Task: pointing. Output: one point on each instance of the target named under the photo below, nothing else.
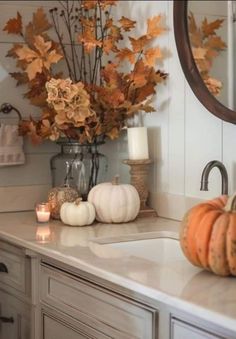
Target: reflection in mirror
(210, 28)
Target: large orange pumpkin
(208, 235)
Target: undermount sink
(163, 248)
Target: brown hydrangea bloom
(70, 101)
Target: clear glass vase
(80, 166)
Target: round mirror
(204, 33)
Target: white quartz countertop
(176, 283)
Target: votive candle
(42, 212)
(137, 143)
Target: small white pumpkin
(77, 213)
(115, 203)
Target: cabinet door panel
(182, 330)
(15, 323)
(57, 328)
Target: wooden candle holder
(139, 170)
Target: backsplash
(183, 136)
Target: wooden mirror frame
(189, 66)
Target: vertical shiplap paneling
(229, 153)
(176, 86)
(158, 121)
(203, 142)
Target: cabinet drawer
(107, 312)
(15, 318)
(17, 267)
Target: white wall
(183, 136)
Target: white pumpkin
(115, 203)
(77, 213)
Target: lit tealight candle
(137, 143)
(42, 212)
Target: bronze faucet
(223, 172)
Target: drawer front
(14, 269)
(14, 318)
(96, 306)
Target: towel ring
(6, 108)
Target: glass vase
(80, 166)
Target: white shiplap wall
(183, 136)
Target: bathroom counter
(178, 283)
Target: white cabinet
(183, 330)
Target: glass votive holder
(42, 211)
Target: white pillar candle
(138, 143)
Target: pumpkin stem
(231, 204)
(115, 180)
(78, 201)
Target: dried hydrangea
(70, 101)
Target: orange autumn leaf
(12, 51)
(151, 55)
(210, 28)
(211, 54)
(213, 85)
(88, 36)
(126, 53)
(34, 67)
(126, 23)
(215, 42)
(115, 97)
(154, 27)
(38, 59)
(109, 23)
(26, 53)
(108, 45)
(14, 26)
(39, 25)
(194, 32)
(192, 26)
(199, 53)
(40, 21)
(111, 75)
(139, 44)
(145, 91)
(115, 33)
(107, 3)
(89, 43)
(89, 4)
(41, 46)
(139, 75)
(20, 77)
(52, 58)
